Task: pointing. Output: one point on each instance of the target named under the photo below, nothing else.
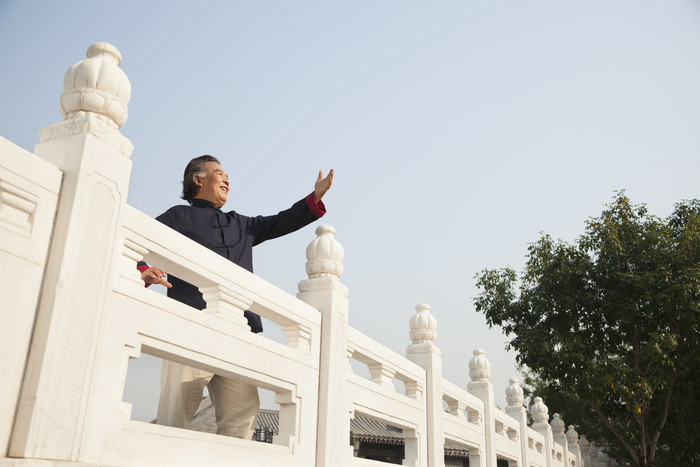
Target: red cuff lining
(317, 207)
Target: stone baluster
(540, 417)
(574, 448)
(457, 408)
(349, 352)
(324, 291)
(479, 386)
(559, 435)
(53, 416)
(424, 352)
(414, 390)
(515, 408)
(382, 374)
(585, 447)
(226, 304)
(298, 337)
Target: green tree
(608, 326)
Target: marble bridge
(66, 341)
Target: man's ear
(197, 180)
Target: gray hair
(195, 168)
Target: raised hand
(322, 184)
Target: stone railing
(75, 311)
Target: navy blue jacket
(233, 236)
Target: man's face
(214, 186)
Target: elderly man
(233, 236)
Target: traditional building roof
(363, 429)
(373, 431)
(455, 450)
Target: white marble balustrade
(66, 342)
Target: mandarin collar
(203, 203)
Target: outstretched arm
(302, 213)
(322, 184)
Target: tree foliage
(608, 326)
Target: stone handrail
(378, 397)
(229, 289)
(385, 365)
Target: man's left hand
(322, 184)
(154, 275)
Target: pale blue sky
(457, 130)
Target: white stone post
(423, 352)
(324, 291)
(84, 255)
(479, 386)
(558, 427)
(515, 408)
(574, 449)
(540, 417)
(585, 446)
(594, 454)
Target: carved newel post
(515, 408)
(423, 331)
(574, 448)
(324, 257)
(540, 416)
(54, 414)
(514, 395)
(324, 291)
(479, 372)
(558, 428)
(585, 448)
(94, 100)
(424, 352)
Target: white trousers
(182, 387)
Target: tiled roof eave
(379, 439)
